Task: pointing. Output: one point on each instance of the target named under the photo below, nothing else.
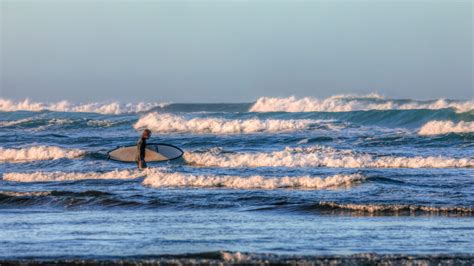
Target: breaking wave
(446, 127)
(161, 179)
(346, 103)
(65, 106)
(38, 153)
(158, 178)
(319, 156)
(167, 123)
(70, 176)
(395, 208)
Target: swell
(319, 156)
(204, 107)
(245, 202)
(228, 123)
(66, 199)
(278, 122)
(397, 118)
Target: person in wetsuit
(141, 146)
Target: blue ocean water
(342, 175)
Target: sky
(234, 51)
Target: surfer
(141, 145)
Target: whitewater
(7, 105)
(278, 175)
(345, 103)
(320, 156)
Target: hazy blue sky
(234, 51)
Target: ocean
(289, 176)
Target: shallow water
(286, 178)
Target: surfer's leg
(141, 164)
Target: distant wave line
(7, 105)
(347, 103)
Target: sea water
(287, 176)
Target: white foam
(65, 106)
(319, 156)
(168, 123)
(69, 176)
(373, 208)
(156, 177)
(162, 179)
(346, 103)
(38, 153)
(445, 127)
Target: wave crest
(161, 179)
(319, 156)
(65, 106)
(37, 153)
(446, 127)
(347, 103)
(167, 123)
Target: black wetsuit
(140, 159)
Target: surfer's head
(146, 134)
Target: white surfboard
(155, 152)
